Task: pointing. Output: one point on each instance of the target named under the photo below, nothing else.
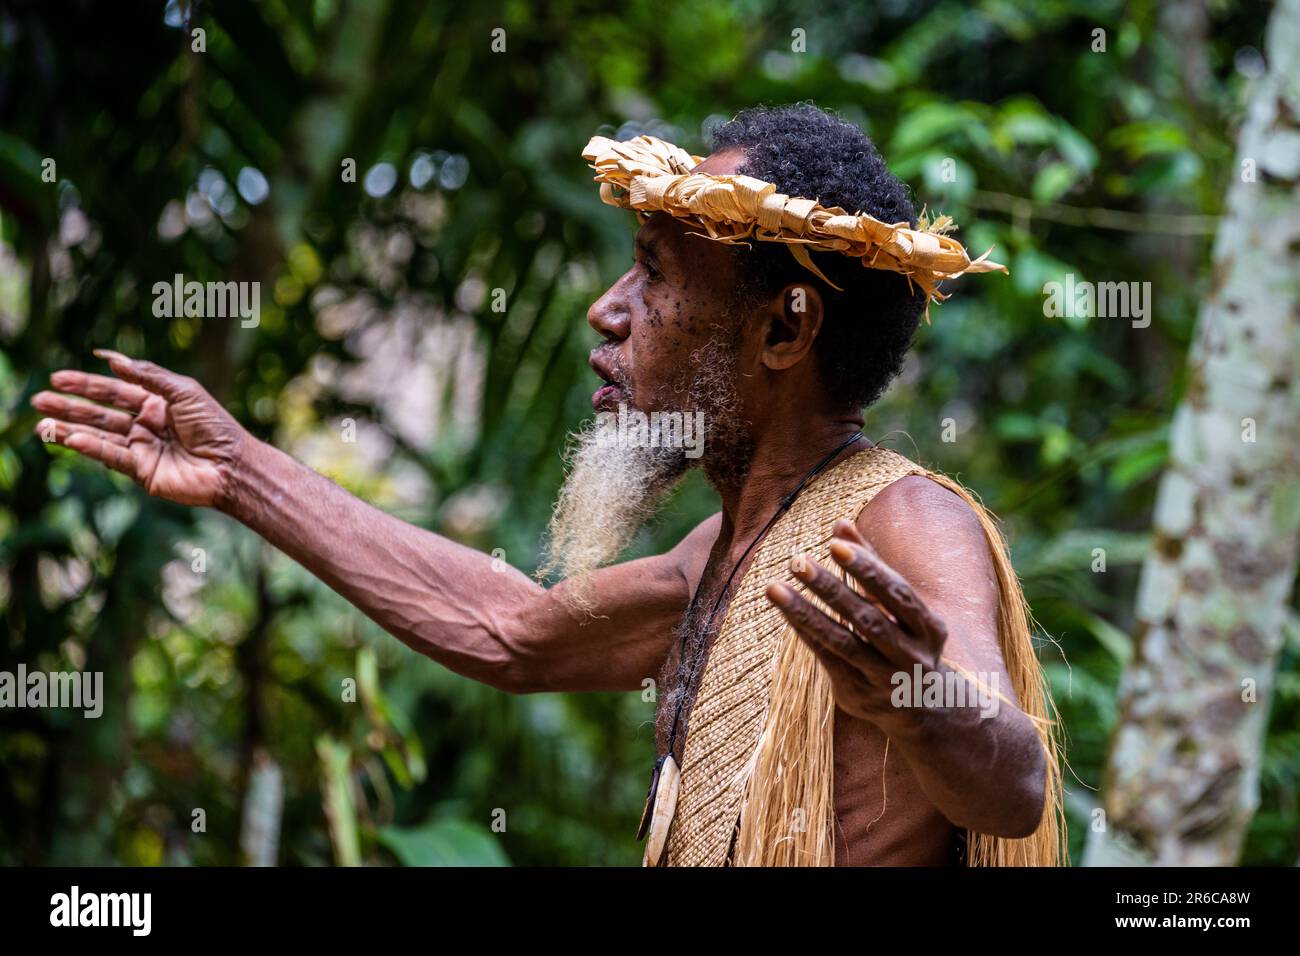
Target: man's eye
(651, 271)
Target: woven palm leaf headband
(650, 175)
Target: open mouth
(608, 397)
(611, 392)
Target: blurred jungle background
(228, 734)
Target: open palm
(161, 429)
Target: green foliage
(1060, 422)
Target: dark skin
(917, 549)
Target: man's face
(661, 318)
(671, 344)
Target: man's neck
(781, 458)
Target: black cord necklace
(658, 821)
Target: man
(791, 648)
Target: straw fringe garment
(758, 751)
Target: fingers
(105, 447)
(848, 530)
(100, 388)
(61, 430)
(821, 633)
(861, 615)
(82, 413)
(136, 382)
(890, 590)
(843, 528)
(153, 377)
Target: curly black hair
(808, 152)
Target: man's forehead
(725, 162)
(662, 229)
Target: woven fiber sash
(731, 709)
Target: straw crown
(650, 175)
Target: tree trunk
(1181, 781)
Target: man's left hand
(887, 629)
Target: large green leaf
(444, 843)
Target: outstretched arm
(478, 617)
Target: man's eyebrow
(650, 247)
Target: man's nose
(608, 315)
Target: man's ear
(793, 320)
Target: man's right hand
(163, 430)
(463, 608)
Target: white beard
(612, 490)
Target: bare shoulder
(928, 534)
(912, 508)
(935, 540)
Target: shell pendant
(663, 804)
